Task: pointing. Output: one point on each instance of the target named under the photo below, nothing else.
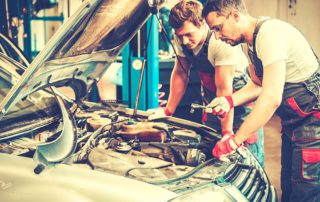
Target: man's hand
(220, 106)
(159, 113)
(224, 147)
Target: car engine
(172, 153)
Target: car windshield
(40, 105)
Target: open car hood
(82, 49)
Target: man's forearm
(178, 85)
(226, 122)
(246, 94)
(267, 103)
(224, 79)
(258, 117)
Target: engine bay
(115, 142)
(139, 148)
(172, 153)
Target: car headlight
(228, 193)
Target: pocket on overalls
(313, 86)
(311, 164)
(300, 111)
(304, 108)
(305, 101)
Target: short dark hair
(222, 7)
(189, 10)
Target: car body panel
(70, 183)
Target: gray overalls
(300, 119)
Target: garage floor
(272, 148)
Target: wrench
(196, 106)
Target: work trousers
(300, 159)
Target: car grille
(249, 177)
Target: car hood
(71, 183)
(82, 49)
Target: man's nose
(185, 40)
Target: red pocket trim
(311, 155)
(317, 114)
(296, 108)
(204, 117)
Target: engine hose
(185, 176)
(127, 173)
(89, 143)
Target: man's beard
(238, 41)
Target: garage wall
(262, 8)
(304, 14)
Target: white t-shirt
(278, 40)
(219, 53)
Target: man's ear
(235, 15)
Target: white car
(56, 149)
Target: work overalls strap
(258, 67)
(200, 62)
(203, 66)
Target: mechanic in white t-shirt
(221, 68)
(286, 80)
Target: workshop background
(31, 23)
